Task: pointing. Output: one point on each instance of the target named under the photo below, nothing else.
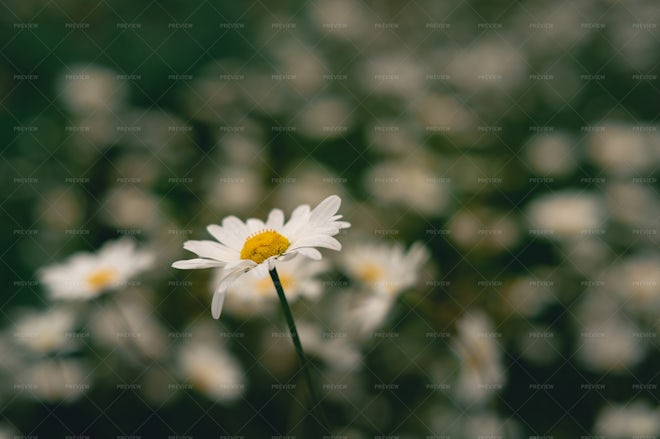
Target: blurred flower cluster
(498, 166)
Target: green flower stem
(299, 349)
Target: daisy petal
(211, 250)
(224, 237)
(261, 270)
(192, 264)
(240, 264)
(288, 255)
(275, 219)
(310, 252)
(300, 212)
(221, 291)
(217, 302)
(317, 241)
(325, 210)
(234, 226)
(254, 225)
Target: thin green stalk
(299, 349)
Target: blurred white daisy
(53, 380)
(635, 281)
(87, 275)
(566, 215)
(89, 88)
(609, 340)
(45, 331)
(244, 246)
(254, 293)
(130, 326)
(362, 314)
(551, 154)
(481, 372)
(633, 420)
(385, 268)
(211, 370)
(335, 349)
(622, 150)
(412, 182)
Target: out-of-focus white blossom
(362, 313)
(86, 275)
(566, 214)
(130, 324)
(411, 183)
(341, 19)
(235, 189)
(384, 268)
(481, 374)
(129, 207)
(635, 205)
(623, 151)
(608, 340)
(484, 228)
(551, 154)
(444, 114)
(325, 118)
(636, 282)
(394, 74)
(527, 295)
(306, 183)
(90, 88)
(489, 64)
(46, 331)
(334, 349)
(636, 419)
(301, 63)
(210, 368)
(53, 380)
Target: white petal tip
(218, 301)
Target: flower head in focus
(87, 275)
(245, 246)
(384, 268)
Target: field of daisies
(330, 219)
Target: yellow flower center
(369, 273)
(101, 278)
(263, 245)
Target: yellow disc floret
(369, 273)
(101, 278)
(263, 245)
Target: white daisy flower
(87, 275)
(204, 362)
(482, 373)
(254, 293)
(635, 419)
(53, 380)
(46, 331)
(212, 371)
(362, 314)
(384, 268)
(244, 246)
